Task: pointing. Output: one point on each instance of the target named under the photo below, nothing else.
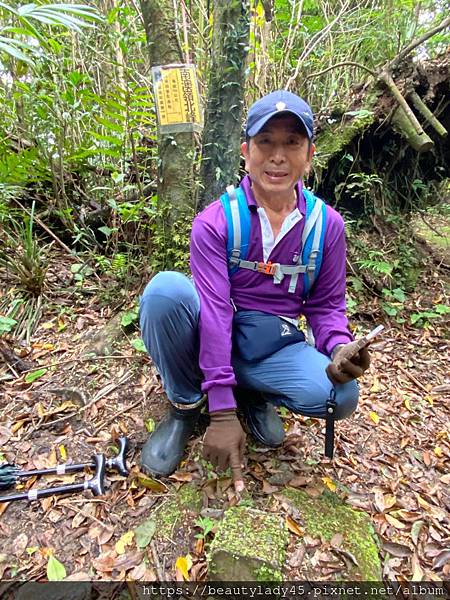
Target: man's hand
(347, 365)
(224, 444)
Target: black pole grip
(118, 463)
(97, 483)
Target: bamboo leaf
(30, 377)
(15, 53)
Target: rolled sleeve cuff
(338, 339)
(221, 398)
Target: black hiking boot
(261, 417)
(163, 451)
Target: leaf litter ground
(391, 458)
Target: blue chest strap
(237, 215)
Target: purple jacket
(324, 308)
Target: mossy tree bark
(176, 151)
(222, 133)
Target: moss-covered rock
(328, 515)
(187, 500)
(249, 545)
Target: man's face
(277, 157)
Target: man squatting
(188, 325)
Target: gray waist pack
(257, 335)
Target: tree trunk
(223, 119)
(176, 151)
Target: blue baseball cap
(277, 103)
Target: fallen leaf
(123, 562)
(415, 531)
(151, 484)
(5, 434)
(52, 460)
(56, 571)
(313, 491)
(125, 540)
(184, 564)
(389, 500)
(20, 544)
(379, 501)
(375, 387)
(181, 476)
(145, 532)
(398, 550)
(438, 452)
(374, 417)
(105, 535)
(298, 481)
(198, 571)
(30, 377)
(441, 559)
(436, 512)
(297, 557)
(405, 515)
(417, 569)
(138, 572)
(105, 561)
(18, 425)
(149, 425)
(80, 576)
(199, 546)
(46, 503)
(426, 458)
(77, 520)
(329, 483)
(336, 540)
(294, 527)
(63, 452)
(269, 489)
(394, 522)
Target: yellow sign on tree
(177, 99)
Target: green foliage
(80, 273)
(56, 571)
(393, 303)
(129, 317)
(30, 377)
(423, 318)
(139, 345)
(22, 257)
(26, 41)
(375, 263)
(145, 532)
(170, 249)
(362, 187)
(312, 36)
(206, 525)
(6, 324)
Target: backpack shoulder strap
(313, 238)
(237, 215)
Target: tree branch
(394, 62)
(342, 64)
(315, 40)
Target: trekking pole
(10, 474)
(96, 485)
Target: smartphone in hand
(350, 350)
